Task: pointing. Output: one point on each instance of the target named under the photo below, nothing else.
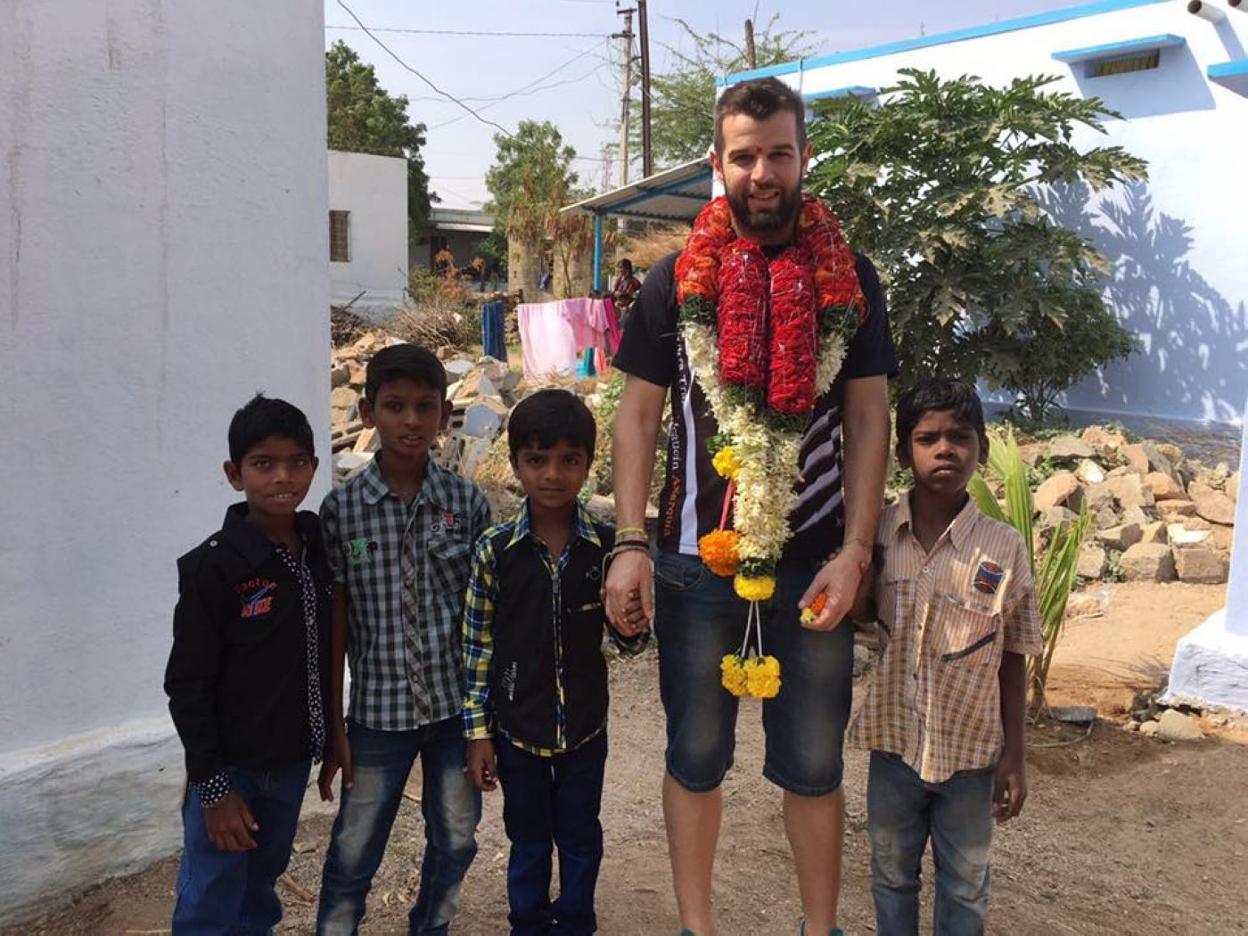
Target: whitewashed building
(367, 230)
(162, 257)
(1181, 81)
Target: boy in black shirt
(247, 676)
(536, 710)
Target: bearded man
(772, 339)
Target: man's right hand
(230, 824)
(482, 770)
(339, 756)
(630, 577)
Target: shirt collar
(584, 524)
(253, 545)
(958, 530)
(436, 487)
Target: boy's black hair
(551, 416)
(627, 264)
(403, 361)
(937, 394)
(263, 417)
(759, 98)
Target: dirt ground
(1121, 834)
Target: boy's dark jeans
(552, 800)
(233, 892)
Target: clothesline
(554, 335)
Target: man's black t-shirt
(693, 493)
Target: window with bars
(340, 236)
(1121, 66)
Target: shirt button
(927, 570)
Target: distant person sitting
(624, 290)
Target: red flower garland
(767, 312)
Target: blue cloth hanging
(493, 336)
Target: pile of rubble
(1158, 516)
(482, 393)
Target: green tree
(364, 118)
(682, 101)
(939, 185)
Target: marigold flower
(816, 608)
(718, 551)
(732, 674)
(754, 589)
(726, 464)
(762, 677)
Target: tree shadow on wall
(1193, 357)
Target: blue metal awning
(1233, 75)
(858, 91)
(1122, 49)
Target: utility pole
(751, 59)
(647, 163)
(627, 36)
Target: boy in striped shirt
(943, 717)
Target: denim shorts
(698, 619)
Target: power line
(451, 97)
(477, 32)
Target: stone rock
(862, 659)
(1203, 565)
(1084, 604)
(1130, 491)
(1149, 729)
(1106, 517)
(1092, 562)
(1055, 517)
(1232, 487)
(343, 398)
(458, 369)
(338, 376)
(1176, 508)
(475, 384)
(1172, 452)
(602, 507)
(1103, 440)
(1222, 537)
(1173, 725)
(1060, 490)
(1120, 537)
(1154, 532)
(1136, 515)
(1147, 562)
(1136, 458)
(1180, 534)
(1069, 449)
(484, 418)
(1089, 472)
(1212, 505)
(1157, 461)
(1096, 496)
(1164, 487)
(1032, 452)
(357, 374)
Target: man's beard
(767, 222)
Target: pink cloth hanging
(613, 327)
(548, 342)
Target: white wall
(1176, 240)
(374, 190)
(162, 256)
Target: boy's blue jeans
(552, 800)
(902, 811)
(233, 892)
(451, 805)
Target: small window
(1122, 66)
(340, 236)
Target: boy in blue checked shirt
(399, 536)
(536, 708)
(247, 675)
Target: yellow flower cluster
(758, 677)
(754, 588)
(726, 464)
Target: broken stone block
(1173, 725)
(484, 418)
(1232, 486)
(1089, 472)
(1120, 537)
(1203, 565)
(357, 373)
(1092, 562)
(1137, 515)
(1130, 491)
(1032, 452)
(348, 464)
(1060, 490)
(1147, 562)
(458, 369)
(338, 376)
(475, 384)
(1157, 461)
(343, 398)
(1222, 537)
(1055, 517)
(1069, 449)
(1154, 532)
(1180, 534)
(1137, 458)
(1106, 517)
(1212, 505)
(1164, 487)
(1096, 496)
(1176, 508)
(472, 454)
(1103, 440)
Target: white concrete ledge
(1210, 668)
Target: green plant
(1113, 567)
(941, 186)
(1054, 574)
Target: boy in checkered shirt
(399, 536)
(943, 717)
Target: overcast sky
(575, 80)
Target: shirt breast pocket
(966, 631)
(894, 602)
(451, 557)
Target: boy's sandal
(801, 929)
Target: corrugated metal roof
(675, 194)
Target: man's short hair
(261, 418)
(403, 361)
(938, 394)
(550, 416)
(759, 98)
